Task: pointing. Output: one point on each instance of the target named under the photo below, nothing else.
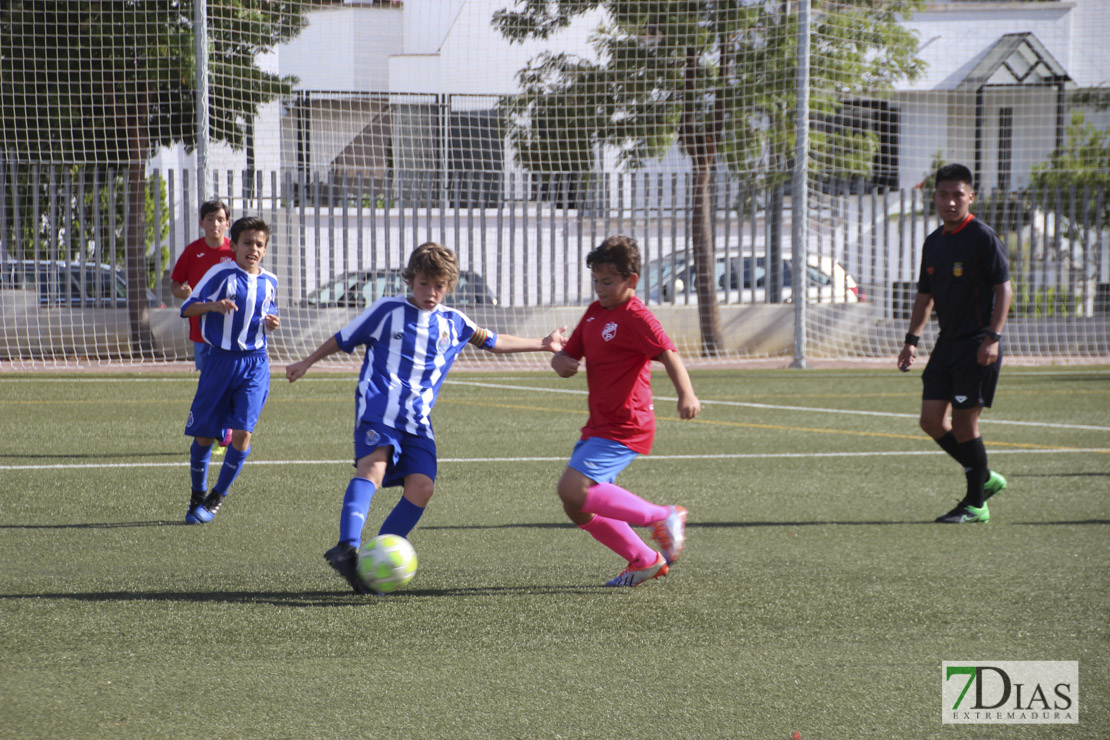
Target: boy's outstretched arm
(297, 369)
(688, 404)
(507, 343)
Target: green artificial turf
(816, 595)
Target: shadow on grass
(690, 525)
(97, 525)
(1102, 522)
(101, 456)
(559, 525)
(1100, 474)
(304, 598)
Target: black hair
(249, 223)
(954, 172)
(211, 206)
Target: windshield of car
(358, 289)
(754, 272)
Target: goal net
(521, 134)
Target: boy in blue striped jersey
(411, 343)
(236, 305)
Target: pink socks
(619, 537)
(614, 502)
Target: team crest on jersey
(372, 438)
(958, 269)
(929, 269)
(609, 331)
(444, 342)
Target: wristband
(912, 339)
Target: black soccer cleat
(212, 503)
(965, 513)
(196, 513)
(344, 559)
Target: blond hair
(433, 261)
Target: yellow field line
(771, 427)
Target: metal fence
(529, 242)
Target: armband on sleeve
(483, 338)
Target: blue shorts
(201, 352)
(412, 453)
(231, 392)
(599, 459)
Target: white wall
(952, 40)
(345, 48)
(457, 50)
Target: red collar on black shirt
(964, 223)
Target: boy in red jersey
(197, 259)
(619, 337)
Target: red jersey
(619, 345)
(190, 267)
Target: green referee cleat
(966, 514)
(995, 484)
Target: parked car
(743, 278)
(70, 284)
(360, 288)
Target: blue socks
(402, 519)
(233, 463)
(198, 466)
(356, 505)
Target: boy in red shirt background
(619, 337)
(200, 256)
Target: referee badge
(958, 269)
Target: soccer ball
(386, 563)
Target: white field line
(777, 407)
(562, 458)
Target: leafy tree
(715, 75)
(1082, 163)
(94, 82)
(81, 213)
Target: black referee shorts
(953, 374)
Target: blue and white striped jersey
(242, 330)
(408, 354)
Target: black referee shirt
(960, 269)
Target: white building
(382, 85)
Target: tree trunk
(701, 234)
(138, 312)
(701, 145)
(774, 249)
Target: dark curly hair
(619, 252)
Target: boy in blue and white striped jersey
(411, 343)
(236, 305)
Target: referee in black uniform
(965, 277)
